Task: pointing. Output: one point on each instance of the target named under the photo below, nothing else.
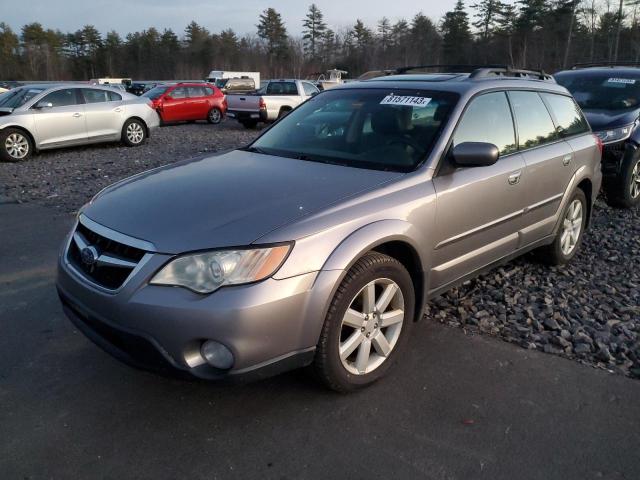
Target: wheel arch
(587, 187)
(141, 120)
(25, 131)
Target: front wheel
(15, 145)
(214, 116)
(569, 236)
(367, 324)
(623, 191)
(134, 133)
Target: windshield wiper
(255, 150)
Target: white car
(39, 117)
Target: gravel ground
(588, 310)
(68, 178)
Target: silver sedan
(39, 117)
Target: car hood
(600, 119)
(227, 200)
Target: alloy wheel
(635, 181)
(214, 115)
(17, 146)
(371, 326)
(135, 132)
(572, 228)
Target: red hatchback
(188, 101)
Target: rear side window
(488, 119)
(209, 91)
(282, 88)
(100, 96)
(568, 116)
(114, 97)
(196, 91)
(534, 123)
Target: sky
(242, 15)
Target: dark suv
(610, 99)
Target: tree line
(547, 34)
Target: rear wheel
(134, 133)
(624, 190)
(569, 236)
(367, 324)
(15, 145)
(214, 116)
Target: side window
(309, 89)
(114, 97)
(62, 98)
(196, 92)
(179, 92)
(282, 88)
(567, 114)
(95, 96)
(208, 91)
(488, 119)
(534, 123)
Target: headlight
(615, 134)
(206, 272)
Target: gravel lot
(588, 311)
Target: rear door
(175, 105)
(198, 102)
(548, 159)
(479, 209)
(64, 122)
(104, 113)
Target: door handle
(117, 109)
(514, 178)
(76, 115)
(566, 160)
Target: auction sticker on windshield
(405, 100)
(629, 81)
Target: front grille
(112, 262)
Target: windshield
(19, 96)
(380, 129)
(221, 82)
(607, 91)
(155, 92)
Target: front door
(63, 122)
(479, 209)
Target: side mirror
(41, 105)
(475, 154)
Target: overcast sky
(242, 15)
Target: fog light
(217, 355)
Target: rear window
(379, 129)
(535, 126)
(282, 88)
(568, 116)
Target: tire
(623, 190)
(249, 124)
(569, 236)
(346, 373)
(15, 145)
(283, 113)
(214, 116)
(134, 132)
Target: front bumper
(270, 326)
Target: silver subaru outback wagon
(321, 241)
(40, 117)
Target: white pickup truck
(275, 99)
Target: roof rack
(486, 72)
(604, 64)
(443, 68)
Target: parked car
(40, 117)
(218, 76)
(271, 102)
(236, 85)
(188, 102)
(610, 98)
(321, 242)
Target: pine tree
(314, 29)
(272, 30)
(456, 35)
